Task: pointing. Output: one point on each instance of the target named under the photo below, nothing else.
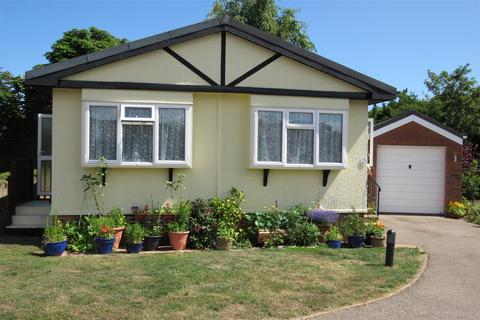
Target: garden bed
(248, 284)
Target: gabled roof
(421, 119)
(49, 75)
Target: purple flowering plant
(321, 216)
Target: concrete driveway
(449, 288)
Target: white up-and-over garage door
(412, 178)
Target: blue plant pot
(134, 247)
(54, 248)
(104, 246)
(356, 241)
(334, 244)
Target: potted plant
(225, 236)
(134, 236)
(456, 210)
(323, 219)
(153, 231)
(378, 238)
(353, 227)
(54, 239)
(153, 235)
(178, 229)
(334, 238)
(119, 222)
(102, 226)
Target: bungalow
(220, 101)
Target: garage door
(412, 179)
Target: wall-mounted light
(455, 157)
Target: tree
(77, 42)
(454, 100)
(267, 16)
(20, 104)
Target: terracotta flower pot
(378, 242)
(224, 244)
(178, 240)
(118, 232)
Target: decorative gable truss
(220, 55)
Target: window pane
(132, 112)
(137, 143)
(45, 176)
(46, 138)
(171, 134)
(300, 146)
(300, 118)
(269, 136)
(103, 132)
(330, 134)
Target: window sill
(141, 165)
(333, 166)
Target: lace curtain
(137, 143)
(171, 134)
(134, 112)
(300, 146)
(269, 136)
(330, 133)
(103, 132)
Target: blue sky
(395, 41)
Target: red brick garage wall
(413, 134)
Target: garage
(417, 164)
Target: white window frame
(121, 120)
(370, 138)
(188, 136)
(140, 106)
(254, 163)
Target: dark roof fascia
(74, 84)
(50, 74)
(420, 115)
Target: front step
(32, 220)
(32, 215)
(33, 208)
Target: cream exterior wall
(153, 67)
(221, 155)
(204, 53)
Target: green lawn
(249, 284)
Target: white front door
(44, 155)
(412, 179)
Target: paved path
(449, 288)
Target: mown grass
(249, 284)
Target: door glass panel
(45, 176)
(46, 137)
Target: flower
(323, 216)
(104, 229)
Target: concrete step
(34, 208)
(26, 226)
(31, 220)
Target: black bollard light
(390, 248)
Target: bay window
(153, 135)
(299, 138)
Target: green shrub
(118, 218)
(134, 233)
(182, 211)
(456, 210)
(333, 234)
(351, 225)
(229, 209)
(225, 231)
(102, 226)
(471, 181)
(302, 234)
(472, 212)
(55, 232)
(202, 225)
(81, 238)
